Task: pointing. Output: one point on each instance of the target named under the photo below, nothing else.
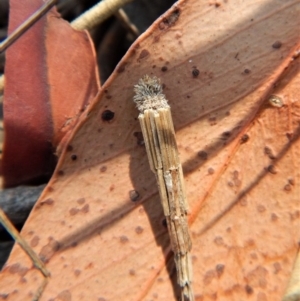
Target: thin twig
(25, 246)
(26, 25)
(98, 13)
(123, 18)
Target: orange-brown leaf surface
(51, 76)
(99, 223)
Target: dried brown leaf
(51, 76)
(99, 222)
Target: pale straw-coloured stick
(97, 14)
(159, 136)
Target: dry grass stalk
(98, 13)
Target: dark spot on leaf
(73, 211)
(277, 267)
(219, 241)
(34, 241)
(162, 25)
(237, 182)
(164, 68)
(209, 276)
(247, 71)
(295, 215)
(269, 153)
(60, 172)
(77, 273)
(131, 272)
(248, 289)
(274, 217)
(144, 53)
(289, 136)
(3, 296)
(103, 168)
(271, 169)
(85, 208)
(124, 239)
(220, 269)
(49, 249)
(139, 230)
(195, 72)
(107, 115)
(81, 201)
(261, 208)
(287, 187)
(64, 296)
(134, 195)
(16, 268)
(291, 181)
(202, 155)
(211, 171)
(89, 266)
(121, 68)
(69, 148)
(244, 138)
(156, 39)
(48, 202)
(74, 157)
(50, 188)
(212, 120)
(277, 45)
(226, 134)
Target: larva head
(149, 94)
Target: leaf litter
(239, 210)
